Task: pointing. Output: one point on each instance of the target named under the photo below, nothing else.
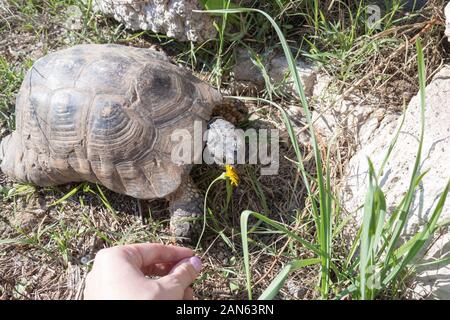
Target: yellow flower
(232, 175)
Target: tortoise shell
(105, 114)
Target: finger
(183, 274)
(145, 254)
(159, 269)
(188, 294)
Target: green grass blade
(277, 283)
(365, 252)
(426, 233)
(324, 215)
(443, 262)
(244, 236)
(205, 206)
(405, 208)
(72, 192)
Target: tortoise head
(222, 143)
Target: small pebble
(84, 260)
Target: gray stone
(432, 281)
(279, 74)
(276, 67)
(245, 70)
(175, 18)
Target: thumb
(182, 274)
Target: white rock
(73, 18)
(434, 282)
(447, 21)
(353, 117)
(175, 18)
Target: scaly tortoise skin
(105, 114)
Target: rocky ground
(49, 236)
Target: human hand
(120, 273)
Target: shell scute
(66, 123)
(114, 134)
(56, 71)
(106, 74)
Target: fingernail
(196, 263)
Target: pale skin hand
(120, 273)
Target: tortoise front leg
(185, 206)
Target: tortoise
(105, 114)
